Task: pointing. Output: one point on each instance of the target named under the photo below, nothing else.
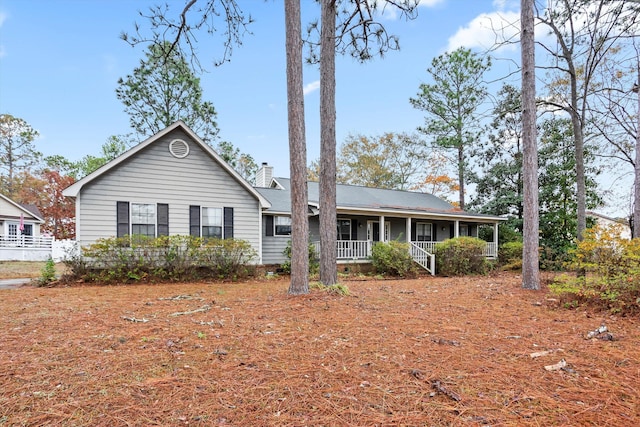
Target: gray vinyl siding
(272, 249)
(154, 176)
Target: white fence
(34, 248)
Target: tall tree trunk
(530, 257)
(297, 151)
(461, 171)
(636, 194)
(581, 190)
(328, 215)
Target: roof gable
(30, 211)
(74, 189)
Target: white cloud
(391, 13)
(311, 87)
(429, 3)
(486, 30)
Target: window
(212, 222)
(344, 229)
(424, 232)
(464, 230)
(13, 231)
(282, 225)
(28, 230)
(143, 219)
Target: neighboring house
(605, 221)
(174, 183)
(20, 237)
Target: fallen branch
(181, 297)
(202, 309)
(134, 320)
(442, 389)
(602, 329)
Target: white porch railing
(421, 252)
(426, 259)
(490, 249)
(31, 242)
(349, 249)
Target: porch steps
(425, 259)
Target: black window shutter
(194, 221)
(268, 221)
(122, 219)
(413, 231)
(354, 229)
(163, 219)
(228, 223)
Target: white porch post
(495, 234)
(408, 229)
(456, 231)
(381, 228)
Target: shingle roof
(367, 198)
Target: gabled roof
(30, 210)
(74, 189)
(358, 198)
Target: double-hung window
(275, 225)
(344, 229)
(424, 232)
(143, 219)
(282, 225)
(212, 223)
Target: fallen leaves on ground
(429, 351)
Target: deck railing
(32, 242)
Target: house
(20, 238)
(427, 219)
(607, 221)
(174, 183)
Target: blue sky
(60, 61)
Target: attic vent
(179, 148)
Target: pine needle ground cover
(429, 351)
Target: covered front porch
(357, 233)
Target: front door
(373, 231)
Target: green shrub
(48, 273)
(510, 252)
(612, 264)
(510, 255)
(393, 258)
(314, 261)
(174, 258)
(460, 256)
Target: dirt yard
(425, 352)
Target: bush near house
(510, 256)
(612, 264)
(314, 261)
(461, 256)
(175, 258)
(393, 258)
